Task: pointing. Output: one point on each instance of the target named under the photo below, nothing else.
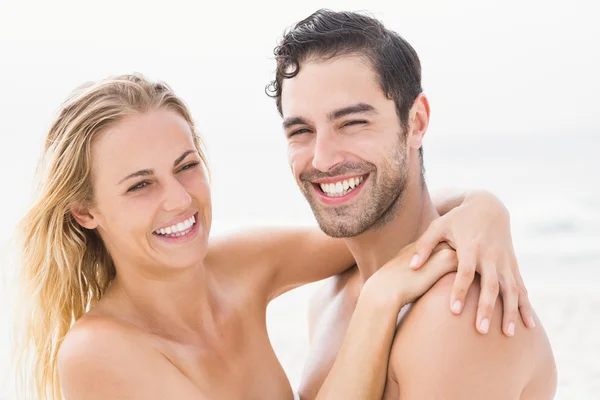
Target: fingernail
(531, 322)
(511, 329)
(456, 307)
(484, 325)
(414, 261)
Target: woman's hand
(369, 337)
(479, 230)
(396, 284)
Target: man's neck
(375, 247)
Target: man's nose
(327, 151)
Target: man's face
(346, 146)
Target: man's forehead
(325, 85)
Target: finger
(434, 234)
(510, 299)
(467, 261)
(416, 283)
(487, 299)
(524, 305)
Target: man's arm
(439, 355)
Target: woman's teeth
(180, 229)
(341, 188)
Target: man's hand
(479, 231)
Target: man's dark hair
(326, 34)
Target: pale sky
(501, 69)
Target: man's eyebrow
(291, 121)
(359, 108)
(146, 172)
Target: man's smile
(338, 190)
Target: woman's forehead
(141, 141)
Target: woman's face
(152, 203)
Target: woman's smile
(180, 232)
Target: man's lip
(338, 178)
(335, 201)
(177, 220)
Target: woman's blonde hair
(65, 268)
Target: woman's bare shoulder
(97, 337)
(103, 356)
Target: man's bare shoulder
(102, 356)
(434, 345)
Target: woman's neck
(180, 305)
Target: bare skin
(424, 363)
(434, 353)
(233, 347)
(192, 316)
(186, 319)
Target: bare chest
(240, 365)
(331, 312)
(328, 328)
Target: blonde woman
(126, 299)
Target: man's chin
(340, 228)
(342, 221)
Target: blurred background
(513, 88)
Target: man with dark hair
(349, 91)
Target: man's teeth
(180, 229)
(341, 188)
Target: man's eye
(356, 122)
(299, 132)
(139, 186)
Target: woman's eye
(139, 186)
(190, 165)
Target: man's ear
(418, 121)
(83, 216)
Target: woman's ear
(83, 216)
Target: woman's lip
(191, 234)
(177, 220)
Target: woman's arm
(282, 258)
(477, 219)
(360, 369)
(448, 198)
(477, 225)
